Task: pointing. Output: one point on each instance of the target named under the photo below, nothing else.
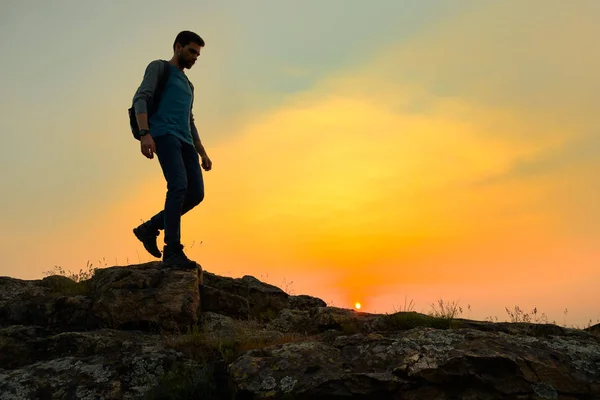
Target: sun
(357, 305)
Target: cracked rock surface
(147, 332)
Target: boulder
(129, 297)
(594, 328)
(293, 321)
(304, 302)
(149, 332)
(146, 295)
(222, 302)
(56, 303)
(104, 363)
(264, 301)
(424, 363)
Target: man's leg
(184, 191)
(195, 188)
(195, 184)
(193, 196)
(148, 231)
(169, 154)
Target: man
(170, 132)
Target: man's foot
(176, 258)
(148, 238)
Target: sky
(381, 153)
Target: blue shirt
(173, 113)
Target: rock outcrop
(146, 332)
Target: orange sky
(457, 162)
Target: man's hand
(206, 163)
(147, 146)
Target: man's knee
(177, 190)
(195, 196)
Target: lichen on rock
(143, 331)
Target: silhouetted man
(170, 132)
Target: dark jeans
(180, 164)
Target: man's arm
(144, 95)
(196, 137)
(206, 162)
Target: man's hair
(186, 37)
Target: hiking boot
(176, 258)
(148, 237)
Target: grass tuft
(412, 319)
(186, 382)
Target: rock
(291, 368)
(116, 297)
(220, 330)
(594, 328)
(140, 332)
(20, 345)
(146, 295)
(14, 290)
(289, 321)
(258, 338)
(424, 363)
(86, 365)
(304, 302)
(245, 286)
(213, 322)
(401, 321)
(345, 320)
(222, 302)
(54, 302)
(322, 319)
(264, 300)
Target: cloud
(462, 155)
(582, 151)
(381, 165)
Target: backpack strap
(160, 87)
(153, 106)
(192, 89)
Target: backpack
(135, 129)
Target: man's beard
(183, 63)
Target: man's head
(186, 48)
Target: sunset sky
(370, 152)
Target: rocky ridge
(146, 332)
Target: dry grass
(226, 345)
(82, 275)
(447, 310)
(407, 307)
(442, 309)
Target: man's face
(187, 55)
